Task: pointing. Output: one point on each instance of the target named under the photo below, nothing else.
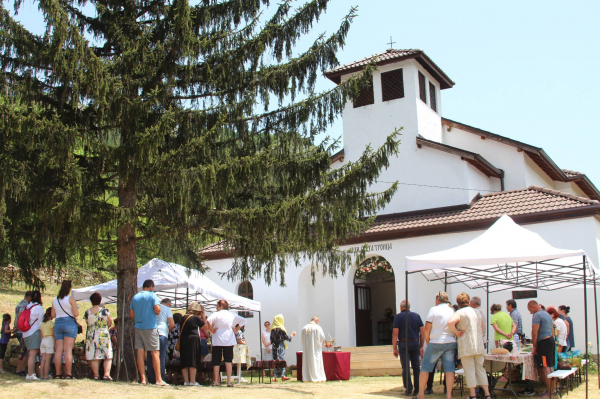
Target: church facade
(455, 181)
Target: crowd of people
(456, 336)
(48, 336)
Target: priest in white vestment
(312, 357)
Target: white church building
(456, 181)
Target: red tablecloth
(336, 364)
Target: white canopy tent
(181, 284)
(508, 256)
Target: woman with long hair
(33, 336)
(47, 346)
(564, 311)
(278, 338)
(64, 309)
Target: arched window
(245, 290)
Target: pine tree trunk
(126, 285)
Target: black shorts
(3, 350)
(545, 354)
(226, 352)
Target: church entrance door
(362, 304)
(374, 302)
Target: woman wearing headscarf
(278, 337)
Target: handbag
(79, 328)
(178, 345)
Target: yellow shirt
(47, 328)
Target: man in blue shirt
(414, 341)
(511, 307)
(144, 308)
(164, 324)
(543, 343)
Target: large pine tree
(168, 126)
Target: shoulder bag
(178, 345)
(79, 328)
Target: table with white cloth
(529, 371)
(241, 355)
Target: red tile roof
(389, 56)
(529, 201)
(533, 204)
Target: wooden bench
(261, 365)
(564, 379)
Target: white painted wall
(478, 183)
(535, 176)
(333, 299)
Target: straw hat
(196, 307)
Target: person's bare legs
(216, 375)
(485, 388)
(31, 362)
(449, 384)
(107, 366)
(192, 375)
(141, 366)
(95, 367)
(423, 377)
(58, 352)
(156, 364)
(68, 344)
(184, 373)
(543, 373)
(228, 368)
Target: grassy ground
(16, 387)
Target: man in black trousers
(414, 341)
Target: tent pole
(586, 323)
(597, 335)
(487, 315)
(260, 335)
(187, 297)
(406, 358)
(446, 282)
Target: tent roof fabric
(181, 284)
(506, 256)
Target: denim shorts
(65, 327)
(436, 351)
(203, 347)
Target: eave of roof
(479, 162)
(392, 56)
(530, 205)
(338, 156)
(537, 155)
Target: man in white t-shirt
(441, 344)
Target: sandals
(68, 377)
(107, 378)
(95, 378)
(230, 385)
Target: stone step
(368, 349)
(374, 364)
(373, 356)
(376, 372)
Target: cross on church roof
(391, 43)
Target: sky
(523, 69)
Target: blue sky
(523, 69)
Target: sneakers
(31, 377)
(285, 378)
(185, 384)
(429, 391)
(193, 384)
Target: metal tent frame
(553, 276)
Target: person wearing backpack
(64, 309)
(29, 323)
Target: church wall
(569, 187)
(498, 154)
(478, 183)
(535, 176)
(333, 300)
(429, 121)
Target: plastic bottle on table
(517, 342)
